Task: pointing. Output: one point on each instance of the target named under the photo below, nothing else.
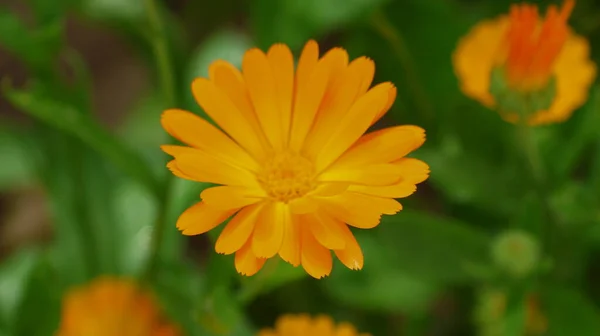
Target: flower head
(301, 325)
(112, 307)
(540, 61)
(292, 164)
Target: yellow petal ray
(306, 63)
(359, 210)
(228, 197)
(399, 190)
(303, 205)
(172, 166)
(351, 256)
(245, 261)
(351, 84)
(575, 72)
(282, 62)
(309, 95)
(238, 230)
(201, 218)
(206, 168)
(226, 114)
(261, 86)
(229, 79)
(413, 170)
(391, 99)
(197, 132)
(353, 125)
(316, 259)
(268, 232)
(290, 249)
(330, 189)
(325, 229)
(323, 325)
(475, 56)
(379, 174)
(383, 146)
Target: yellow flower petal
(475, 57)
(201, 218)
(282, 63)
(574, 72)
(355, 123)
(198, 133)
(326, 230)
(413, 170)
(230, 81)
(352, 84)
(351, 255)
(245, 261)
(206, 168)
(226, 114)
(383, 146)
(268, 233)
(238, 230)
(316, 259)
(228, 197)
(309, 95)
(359, 210)
(290, 249)
(261, 88)
(379, 174)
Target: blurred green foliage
(426, 269)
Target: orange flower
(533, 55)
(291, 158)
(302, 325)
(112, 307)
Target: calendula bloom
(290, 157)
(112, 307)
(523, 64)
(302, 325)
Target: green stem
(159, 43)
(383, 26)
(537, 172)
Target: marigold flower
(291, 160)
(112, 307)
(301, 325)
(540, 58)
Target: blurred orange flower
(302, 325)
(533, 55)
(112, 307)
(291, 158)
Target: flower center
(534, 44)
(287, 175)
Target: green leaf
(274, 274)
(121, 10)
(466, 178)
(37, 103)
(17, 169)
(569, 312)
(428, 247)
(178, 287)
(568, 142)
(39, 311)
(382, 288)
(36, 47)
(14, 275)
(294, 22)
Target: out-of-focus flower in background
(294, 167)
(301, 325)
(112, 307)
(526, 66)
